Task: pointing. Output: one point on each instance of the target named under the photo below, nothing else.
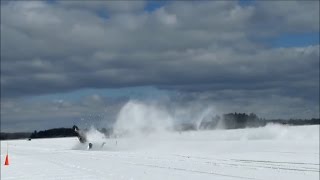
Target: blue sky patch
(295, 40)
(154, 5)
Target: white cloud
(166, 18)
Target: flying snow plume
(94, 135)
(269, 132)
(138, 117)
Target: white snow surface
(271, 152)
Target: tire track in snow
(276, 162)
(237, 163)
(166, 159)
(94, 173)
(191, 171)
(255, 164)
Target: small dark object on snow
(90, 145)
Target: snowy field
(272, 152)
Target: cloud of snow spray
(152, 120)
(138, 117)
(268, 132)
(157, 117)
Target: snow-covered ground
(272, 152)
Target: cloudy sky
(75, 62)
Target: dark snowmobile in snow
(80, 134)
(83, 138)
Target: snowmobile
(83, 138)
(80, 134)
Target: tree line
(57, 132)
(243, 120)
(226, 121)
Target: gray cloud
(28, 115)
(110, 6)
(207, 47)
(288, 16)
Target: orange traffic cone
(6, 163)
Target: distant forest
(51, 133)
(243, 120)
(227, 121)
